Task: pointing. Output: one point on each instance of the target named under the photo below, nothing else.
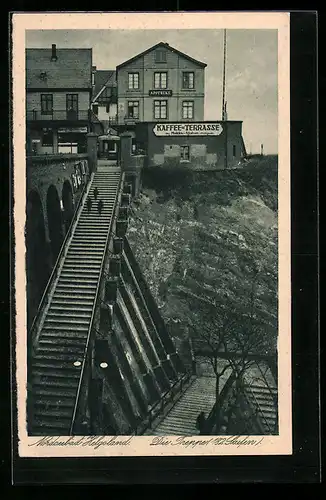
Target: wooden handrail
(54, 272)
(99, 283)
(267, 385)
(210, 421)
(248, 388)
(161, 402)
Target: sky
(251, 70)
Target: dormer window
(160, 56)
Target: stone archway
(37, 268)
(68, 204)
(53, 211)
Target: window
(160, 109)
(133, 109)
(93, 78)
(160, 56)
(160, 80)
(112, 146)
(95, 109)
(188, 80)
(72, 103)
(188, 109)
(184, 153)
(47, 138)
(46, 104)
(234, 151)
(107, 108)
(133, 81)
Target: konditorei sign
(160, 93)
(174, 129)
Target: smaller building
(58, 98)
(201, 145)
(105, 97)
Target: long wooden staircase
(181, 420)
(60, 348)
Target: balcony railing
(58, 115)
(122, 120)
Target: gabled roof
(166, 46)
(72, 69)
(103, 78)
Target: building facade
(199, 145)
(105, 97)
(58, 97)
(160, 84)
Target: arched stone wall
(68, 204)
(37, 268)
(54, 216)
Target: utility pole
(224, 115)
(223, 84)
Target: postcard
(151, 187)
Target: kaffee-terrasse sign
(173, 129)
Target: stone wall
(42, 172)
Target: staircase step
(83, 306)
(79, 314)
(67, 325)
(54, 401)
(85, 273)
(77, 243)
(51, 413)
(58, 350)
(70, 303)
(62, 384)
(63, 339)
(182, 429)
(68, 320)
(74, 257)
(99, 233)
(86, 252)
(93, 264)
(262, 388)
(80, 279)
(54, 394)
(176, 417)
(63, 285)
(66, 366)
(54, 329)
(42, 426)
(76, 295)
(45, 374)
(76, 345)
(94, 242)
(56, 356)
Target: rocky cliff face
(207, 245)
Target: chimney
(54, 52)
